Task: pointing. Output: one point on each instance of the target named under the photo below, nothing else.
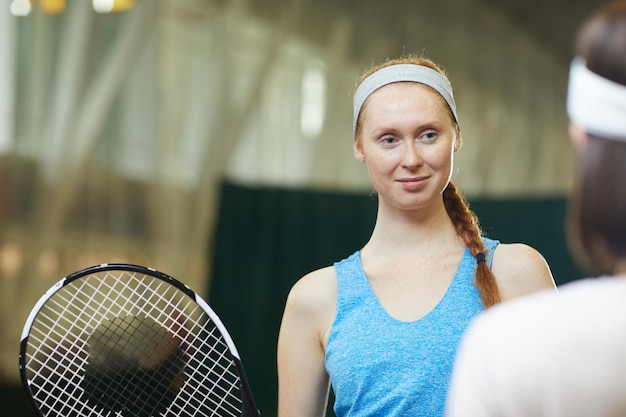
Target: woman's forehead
(403, 93)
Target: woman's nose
(412, 156)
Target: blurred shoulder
(520, 269)
(523, 354)
(579, 307)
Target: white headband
(401, 73)
(596, 104)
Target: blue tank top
(381, 366)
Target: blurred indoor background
(211, 139)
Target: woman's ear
(358, 151)
(458, 141)
(578, 136)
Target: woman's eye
(429, 136)
(388, 140)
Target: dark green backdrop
(268, 238)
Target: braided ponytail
(467, 227)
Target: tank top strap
(352, 286)
(490, 247)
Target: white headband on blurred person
(596, 104)
(401, 73)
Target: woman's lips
(413, 183)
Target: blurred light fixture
(24, 7)
(11, 259)
(313, 105)
(20, 7)
(108, 6)
(52, 6)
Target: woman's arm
(303, 383)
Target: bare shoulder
(520, 269)
(315, 289)
(312, 299)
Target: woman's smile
(413, 183)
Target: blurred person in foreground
(565, 355)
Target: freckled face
(407, 139)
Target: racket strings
(215, 364)
(129, 344)
(135, 366)
(56, 358)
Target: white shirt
(546, 354)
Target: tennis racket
(124, 340)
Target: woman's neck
(398, 230)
